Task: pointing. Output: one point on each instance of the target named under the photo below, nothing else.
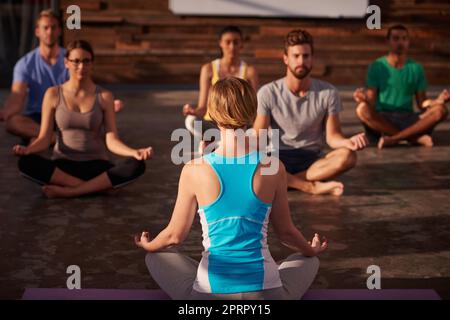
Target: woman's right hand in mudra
(317, 245)
(143, 153)
(188, 110)
(19, 150)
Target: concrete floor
(395, 213)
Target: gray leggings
(175, 273)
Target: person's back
(237, 190)
(234, 208)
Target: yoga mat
(93, 294)
(365, 294)
(312, 294)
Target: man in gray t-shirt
(305, 112)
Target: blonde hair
(232, 103)
(48, 13)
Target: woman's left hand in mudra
(144, 153)
(142, 240)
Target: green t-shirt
(395, 87)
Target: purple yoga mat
(312, 294)
(365, 294)
(93, 294)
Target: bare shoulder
(196, 172)
(207, 69)
(251, 70)
(106, 98)
(52, 91)
(106, 94)
(196, 166)
(52, 96)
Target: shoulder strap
(243, 70)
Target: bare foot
(386, 141)
(425, 140)
(110, 192)
(334, 188)
(53, 191)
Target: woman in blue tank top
(236, 196)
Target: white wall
(271, 8)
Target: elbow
(174, 238)
(331, 143)
(11, 124)
(110, 141)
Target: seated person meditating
(386, 107)
(84, 116)
(236, 198)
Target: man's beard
(51, 44)
(302, 74)
(400, 50)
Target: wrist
(311, 252)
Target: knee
(440, 112)
(347, 159)
(314, 263)
(310, 263)
(363, 111)
(153, 260)
(133, 168)
(11, 124)
(26, 163)
(149, 257)
(137, 167)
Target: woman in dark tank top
(85, 129)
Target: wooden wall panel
(143, 42)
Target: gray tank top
(80, 136)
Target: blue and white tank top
(236, 256)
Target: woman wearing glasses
(86, 127)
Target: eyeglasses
(76, 62)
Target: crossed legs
(315, 179)
(65, 178)
(391, 135)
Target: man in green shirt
(386, 107)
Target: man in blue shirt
(34, 73)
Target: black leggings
(40, 170)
